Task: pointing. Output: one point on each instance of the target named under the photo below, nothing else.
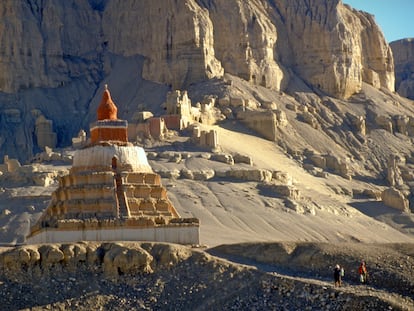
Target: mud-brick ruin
(112, 193)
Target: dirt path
(402, 302)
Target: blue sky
(394, 17)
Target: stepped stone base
(112, 194)
(172, 233)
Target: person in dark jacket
(337, 276)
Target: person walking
(337, 276)
(363, 273)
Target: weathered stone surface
(318, 160)
(253, 57)
(401, 124)
(330, 28)
(197, 51)
(394, 198)
(176, 55)
(51, 254)
(403, 52)
(173, 174)
(393, 172)
(308, 118)
(223, 157)
(264, 123)
(186, 173)
(119, 259)
(338, 165)
(282, 177)
(167, 255)
(285, 191)
(240, 158)
(384, 122)
(203, 174)
(207, 139)
(359, 124)
(260, 175)
(373, 194)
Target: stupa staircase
(123, 210)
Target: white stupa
(112, 194)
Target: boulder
(51, 254)
(203, 174)
(282, 178)
(187, 174)
(222, 157)
(318, 160)
(259, 175)
(308, 118)
(401, 124)
(119, 259)
(394, 198)
(240, 158)
(384, 122)
(171, 174)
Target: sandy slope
(232, 211)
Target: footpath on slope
(348, 286)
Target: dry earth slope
(154, 276)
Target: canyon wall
(55, 56)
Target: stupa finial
(107, 109)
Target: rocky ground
(257, 276)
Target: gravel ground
(197, 280)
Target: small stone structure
(178, 110)
(263, 122)
(10, 165)
(205, 138)
(112, 194)
(44, 133)
(154, 127)
(80, 140)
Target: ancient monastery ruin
(111, 193)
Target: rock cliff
(403, 51)
(54, 56)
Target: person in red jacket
(363, 273)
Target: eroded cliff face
(245, 39)
(46, 44)
(175, 37)
(54, 56)
(335, 48)
(403, 51)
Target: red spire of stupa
(107, 109)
